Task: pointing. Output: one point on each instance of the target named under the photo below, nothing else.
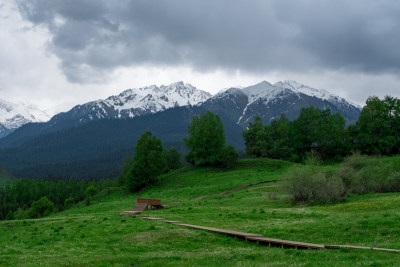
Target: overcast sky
(59, 53)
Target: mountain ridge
(68, 147)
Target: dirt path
(237, 188)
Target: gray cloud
(93, 37)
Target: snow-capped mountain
(136, 102)
(98, 149)
(13, 116)
(269, 101)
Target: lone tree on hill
(149, 162)
(207, 142)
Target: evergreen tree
(149, 162)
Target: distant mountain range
(135, 102)
(13, 116)
(92, 140)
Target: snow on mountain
(270, 100)
(263, 90)
(155, 99)
(319, 93)
(301, 88)
(13, 116)
(268, 92)
(135, 102)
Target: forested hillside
(97, 150)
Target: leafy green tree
(206, 140)
(91, 191)
(256, 139)
(41, 207)
(149, 162)
(279, 136)
(68, 202)
(173, 158)
(379, 126)
(318, 130)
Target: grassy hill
(97, 235)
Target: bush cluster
(308, 184)
(359, 174)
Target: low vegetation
(358, 174)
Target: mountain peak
(137, 102)
(301, 88)
(13, 116)
(264, 90)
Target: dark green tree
(279, 135)
(318, 130)
(69, 202)
(125, 170)
(206, 140)
(379, 126)
(256, 139)
(173, 158)
(41, 207)
(229, 157)
(91, 191)
(149, 162)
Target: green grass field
(97, 235)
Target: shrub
(309, 185)
(20, 214)
(68, 202)
(365, 174)
(41, 207)
(358, 174)
(91, 191)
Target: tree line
(25, 198)
(377, 132)
(207, 146)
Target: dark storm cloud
(93, 37)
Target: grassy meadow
(96, 235)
